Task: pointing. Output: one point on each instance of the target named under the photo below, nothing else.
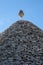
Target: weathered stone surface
(21, 44)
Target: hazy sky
(33, 10)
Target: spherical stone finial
(21, 13)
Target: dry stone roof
(21, 44)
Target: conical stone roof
(21, 44)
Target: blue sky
(33, 10)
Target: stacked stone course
(21, 44)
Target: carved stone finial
(21, 13)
